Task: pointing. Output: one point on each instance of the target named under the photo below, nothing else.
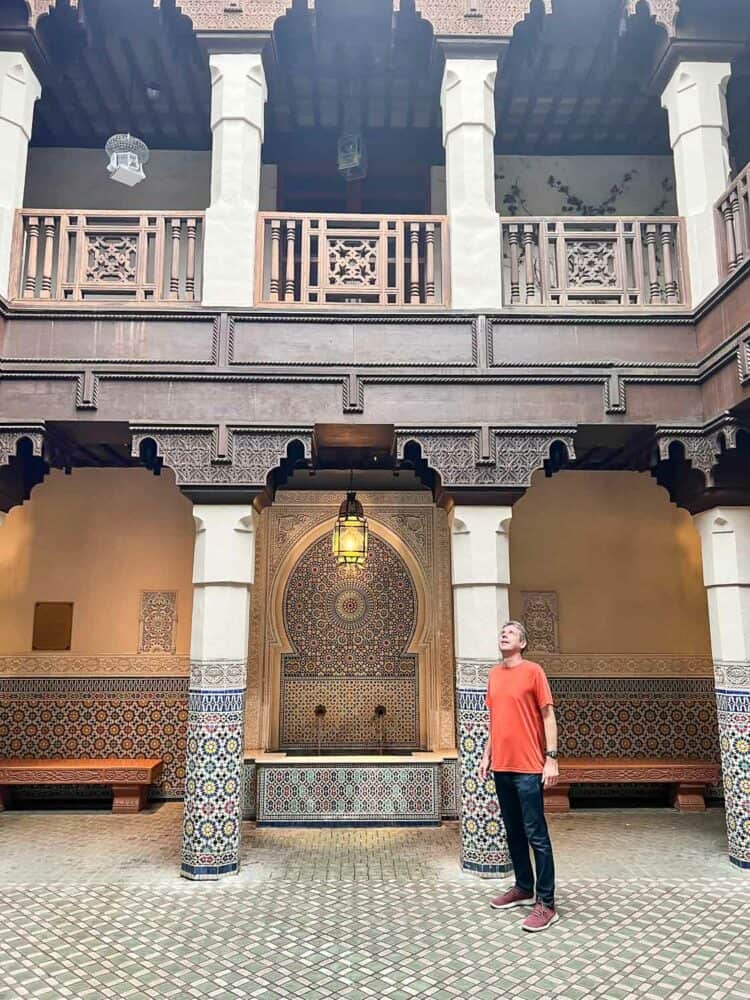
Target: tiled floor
(90, 906)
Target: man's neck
(513, 660)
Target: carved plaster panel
(664, 12)
(106, 665)
(472, 674)
(539, 613)
(733, 674)
(158, 621)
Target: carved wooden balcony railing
(594, 261)
(733, 224)
(125, 257)
(343, 260)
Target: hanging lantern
(350, 533)
(126, 158)
(352, 156)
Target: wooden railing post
(528, 261)
(291, 237)
(429, 278)
(47, 258)
(190, 262)
(32, 255)
(654, 289)
(515, 258)
(275, 258)
(670, 282)
(414, 263)
(174, 272)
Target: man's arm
(551, 770)
(484, 763)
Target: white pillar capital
(238, 89)
(467, 94)
(19, 91)
(238, 98)
(695, 101)
(467, 99)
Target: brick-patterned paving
(91, 906)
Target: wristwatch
(552, 754)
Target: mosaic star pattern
(96, 717)
(350, 630)
(213, 784)
(734, 734)
(329, 794)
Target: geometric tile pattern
(734, 734)
(349, 631)
(484, 849)
(636, 717)
(350, 722)
(213, 784)
(329, 794)
(360, 914)
(450, 791)
(96, 717)
(158, 621)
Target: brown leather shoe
(540, 918)
(513, 897)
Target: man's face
(510, 640)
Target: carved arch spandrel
(664, 12)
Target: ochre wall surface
(98, 538)
(624, 561)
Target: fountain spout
(320, 713)
(380, 711)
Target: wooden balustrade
(330, 260)
(105, 256)
(732, 213)
(594, 261)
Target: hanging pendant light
(126, 158)
(350, 532)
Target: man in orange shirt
(522, 753)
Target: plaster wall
(624, 562)
(585, 185)
(176, 180)
(98, 538)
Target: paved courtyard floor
(91, 906)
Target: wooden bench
(129, 778)
(688, 779)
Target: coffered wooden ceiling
(570, 81)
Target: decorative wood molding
(103, 665)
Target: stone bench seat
(688, 779)
(129, 778)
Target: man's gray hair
(521, 628)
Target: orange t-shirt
(515, 697)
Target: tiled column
(695, 99)
(19, 91)
(481, 581)
(467, 99)
(238, 97)
(725, 543)
(223, 571)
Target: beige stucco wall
(97, 538)
(624, 561)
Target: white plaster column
(695, 100)
(238, 97)
(223, 572)
(480, 553)
(19, 91)
(725, 545)
(467, 99)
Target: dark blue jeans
(522, 808)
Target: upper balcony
(583, 206)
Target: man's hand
(484, 765)
(551, 772)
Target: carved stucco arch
(423, 643)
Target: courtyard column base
(481, 581)
(725, 543)
(222, 577)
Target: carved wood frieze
(628, 773)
